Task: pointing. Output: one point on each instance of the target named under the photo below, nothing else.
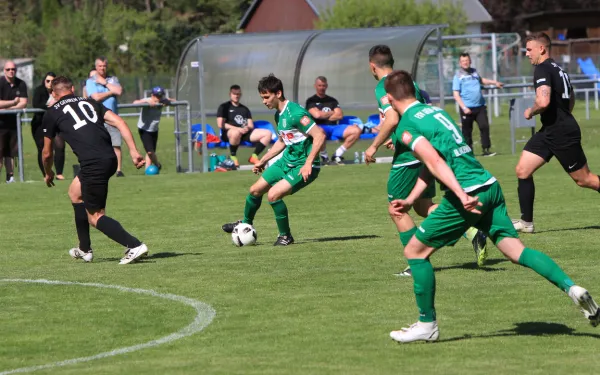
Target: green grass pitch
(322, 306)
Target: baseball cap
(158, 91)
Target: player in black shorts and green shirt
(300, 141)
(473, 198)
(405, 167)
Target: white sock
(324, 154)
(340, 151)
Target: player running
(474, 199)
(560, 134)
(405, 167)
(300, 141)
(80, 123)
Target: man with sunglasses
(13, 95)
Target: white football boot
(419, 331)
(588, 306)
(76, 253)
(523, 226)
(133, 254)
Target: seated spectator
(148, 123)
(327, 112)
(235, 121)
(42, 100)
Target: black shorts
(9, 143)
(245, 137)
(569, 152)
(149, 140)
(94, 176)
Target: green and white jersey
(293, 125)
(422, 121)
(402, 155)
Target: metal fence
(180, 129)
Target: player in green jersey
(300, 141)
(405, 167)
(473, 198)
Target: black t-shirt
(234, 115)
(80, 123)
(556, 118)
(325, 104)
(9, 92)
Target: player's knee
(93, 219)
(522, 172)
(586, 181)
(274, 195)
(256, 191)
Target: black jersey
(235, 115)
(80, 123)
(557, 117)
(325, 104)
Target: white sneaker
(133, 254)
(523, 226)
(407, 272)
(419, 331)
(10, 180)
(588, 306)
(76, 253)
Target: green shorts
(446, 224)
(403, 179)
(281, 171)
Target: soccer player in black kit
(559, 136)
(80, 123)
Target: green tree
(379, 13)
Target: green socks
(281, 217)
(545, 266)
(406, 236)
(251, 208)
(424, 287)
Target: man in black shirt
(326, 111)
(559, 136)
(235, 121)
(13, 95)
(80, 123)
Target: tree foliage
(380, 13)
(137, 36)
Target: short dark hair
(465, 54)
(49, 74)
(61, 83)
(234, 87)
(540, 37)
(322, 79)
(381, 55)
(400, 85)
(270, 84)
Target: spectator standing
(148, 123)
(106, 90)
(83, 89)
(13, 95)
(235, 121)
(326, 111)
(42, 100)
(467, 93)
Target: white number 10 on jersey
(82, 106)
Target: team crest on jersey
(289, 135)
(385, 100)
(406, 137)
(305, 120)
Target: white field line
(204, 316)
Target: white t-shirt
(150, 117)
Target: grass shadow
(474, 266)
(341, 238)
(538, 329)
(568, 229)
(152, 257)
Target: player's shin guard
(406, 236)
(281, 217)
(251, 208)
(526, 190)
(83, 227)
(424, 287)
(546, 267)
(113, 230)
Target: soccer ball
(243, 235)
(152, 170)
